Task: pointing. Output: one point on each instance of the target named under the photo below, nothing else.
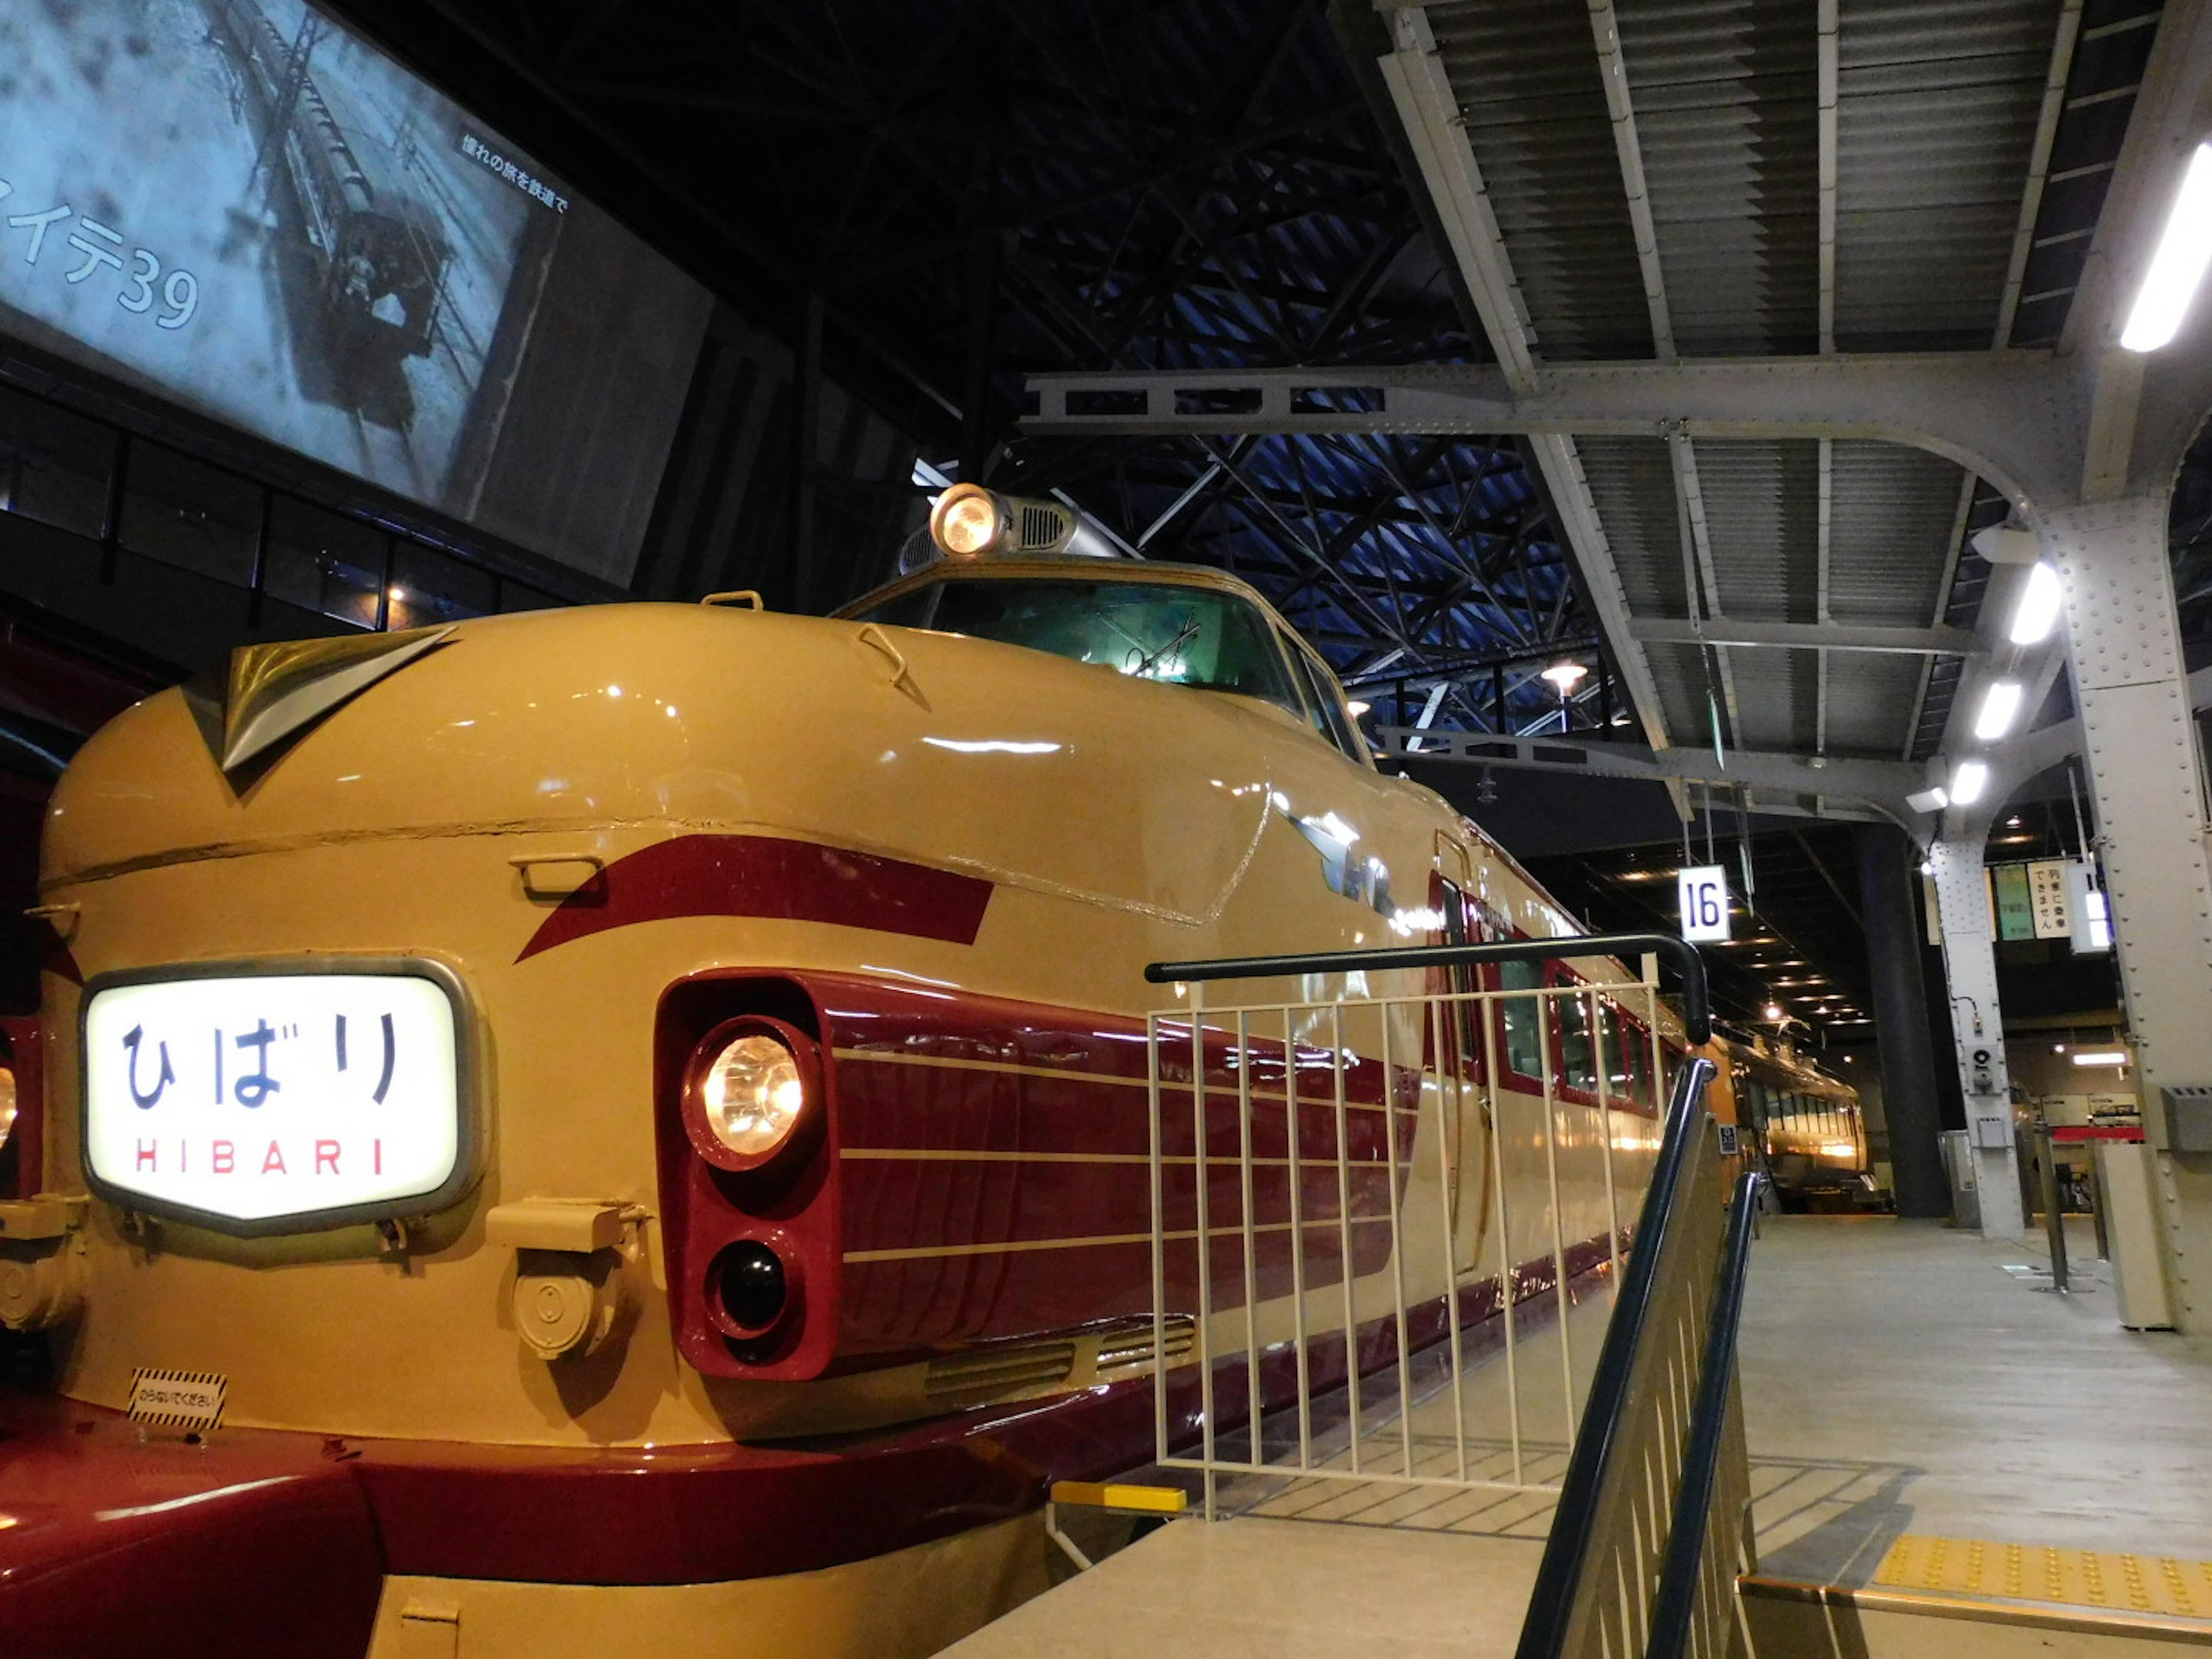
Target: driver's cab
(1002, 573)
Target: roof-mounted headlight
(971, 522)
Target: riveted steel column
(1970, 970)
(1900, 1014)
(2124, 649)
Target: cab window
(1323, 707)
(1192, 636)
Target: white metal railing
(1372, 1165)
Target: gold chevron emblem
(279, 691)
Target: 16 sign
(1705, 896)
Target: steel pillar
(2123, 645)
(1969, 969)
(1900, 1020)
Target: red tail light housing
(747, 1134)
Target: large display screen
(245, 207)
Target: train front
(432, 1194)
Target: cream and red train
(642, 1110)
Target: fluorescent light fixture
(2184, 246)
(1999, 708)
(1934, 799)
(2037, 613)
(2100, 1057)
(1968, 781)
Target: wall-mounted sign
(1704, 893)
(264, 1101)
(2046, 894)
(2011, 904)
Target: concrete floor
(1897, 1378)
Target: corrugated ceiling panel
(1870, 698)
(1632, 483)
(1762, 505)
(1726, 100)
(1775, 698)
(1680, 672)
(1937, 109)
(1526, 80)
(1891, 510)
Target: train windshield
(1183, 636)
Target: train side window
(1619, 1053)
(1522, 1018)
(1579, 1067)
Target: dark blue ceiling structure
(949, 196)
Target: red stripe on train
(768, 877)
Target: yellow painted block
(2110, 1582)
(1151, 1500)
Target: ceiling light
(1773, 1010)
(1566, 676)
(2036, 612)
(1968, 781)
(2183, 248)
(2100, 1057)
(1999, 708)
(1934, 799)
(1358, 707)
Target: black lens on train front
(750, 1284)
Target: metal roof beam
(2010, 416)
(1806, 636)
(1857, 789)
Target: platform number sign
(1704, 896)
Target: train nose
(252, 1545)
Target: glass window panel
(428, 587)
(186, 515)
(54, 466)
(1192, 636)
(1523, 1018)
(1578, 1056)
(321, 562)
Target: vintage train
(1801, 1128)
(638, 1115)
(379, 249)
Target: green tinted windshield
(1185, 635)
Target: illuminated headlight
(966, 522)
(7, 1104)
(750, 1085)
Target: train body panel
(926, 868)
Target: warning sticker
(178, 1400)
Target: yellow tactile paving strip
(2156, 1584)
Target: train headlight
(966, 522)
(971, 522)
(752, 1083)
